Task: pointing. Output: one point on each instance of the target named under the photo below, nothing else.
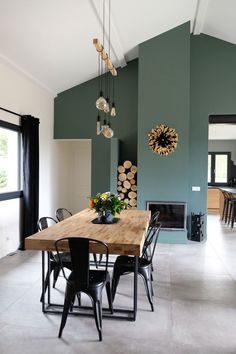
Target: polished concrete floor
(195, 305)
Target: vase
(105, 217)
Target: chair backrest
(154, 218)
(79, 248)
(62, 214)
(45, 222)
(150, 242)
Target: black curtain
(30, 204)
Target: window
(10, 161)
(218, 168)
(10, 187)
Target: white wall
(65, 166)
(20, 94)
(74, 171)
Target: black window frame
(213, 155)
(18, 193)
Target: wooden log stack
(127, 183)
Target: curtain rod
(17, 114)
(7, 110)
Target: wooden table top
(124, 237)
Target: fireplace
(173, 215)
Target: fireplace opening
(173, 215)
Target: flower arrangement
(162, 139)
(103, 202)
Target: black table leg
(43, 281)
(49, 277)
(135, 285)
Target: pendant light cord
(103, 43)
(109, 51)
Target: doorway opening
(221, 159)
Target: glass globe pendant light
(107, 132)
(106, 129)
(107, 107)
(101, 103)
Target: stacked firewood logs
(127, 183)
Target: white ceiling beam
(21, 71)
(200, 15)
(116, 45)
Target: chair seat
(97, 278)
(65, 257)
(129, 262)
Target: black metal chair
(154, 221)
(154, 218)
(226, 206)
(44, 223)
(232, 211)
(62, 214)
(83, 279)
(125, 264)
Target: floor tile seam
(194, 256)
(18, 299)
(169, 315)
(15, 281)
(222, 262)
(202, 302)
(207, 277)
(172, 285)
(19, 326)
(20, 257)
(21, 254)
(23, 284)
(164, 298)
(9, 305)
(217, 257)
(201, 272)
(206, 299)
(3, 325)
(19, 264)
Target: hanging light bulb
(107, 107)
(101, 102)
(113, 110)
(106, 129)
(98, 125)
(107, 132)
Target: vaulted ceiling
(51, 40)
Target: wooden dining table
(125, 237)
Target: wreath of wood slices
(163, 139)
(126, 184)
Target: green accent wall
(213, 91)
(164, 88)
(179, 79)
(113, 165)
(75, 117)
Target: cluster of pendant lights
(106, 76)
